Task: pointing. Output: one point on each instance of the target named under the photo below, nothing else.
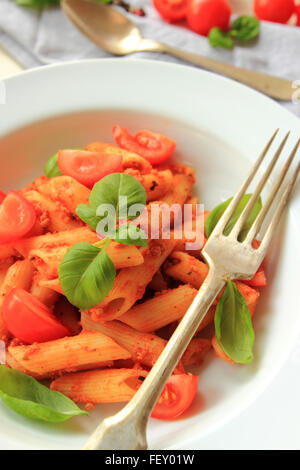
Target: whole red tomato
(171, 10)
(203, 15)
(277, 11)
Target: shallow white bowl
(220, 127)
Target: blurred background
(262, 35)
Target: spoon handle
(275, 87)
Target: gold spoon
(116, 34)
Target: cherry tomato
(29, 320)
(155, 148)
(297, 9)
(203, 15)
(259, 278)
(17, 217)
(2, 196)
(176, 397)
(171, 10)
(88, 167)
(278, 11)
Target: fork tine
(236, 199)
(278, 212)
(261, 216)
(246, 212)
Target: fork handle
(275, 87)
(127, 429)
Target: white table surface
(273, 420)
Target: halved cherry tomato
(29, 320)
(203, 15)
(277, 11)
(88, 167)
(155, 148)
(176, 397)
(171, 10)
(17, 217)
(2, 196)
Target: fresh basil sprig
(233, 325)
(111, 190)
(219, 38)
(218, 211)
(27, 397)
(87, 274)
(51, 169)
(243, 29)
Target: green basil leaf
(233, 325)
(51, 169)
(218, 211)
(27, 397)
(131, 235)
(245, 28)
(112, 188)
(219, 38)
(88, 215)
(86, 275)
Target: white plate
(220, 126)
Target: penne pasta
(51, 284)
(100, 386)
(186, 268)
(158, 282)
(47, 251)
(88, 350)
(47, 296)
(156, 184)
(196, 351)
(68, 315)
(163, 309)
(181, 187)
(144, 348)
(130, 283)
(66, 190)
(52, 216)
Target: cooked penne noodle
(18, 274)
(186, 268)
(52, 216)
(130, 283)
(5, 263)
(181, 187)
(163, 309)
(51, 284)
(48, 296)
(158, 282)
(68, 315)
(50, 241)
(145, 348)
(100, 386)
(196, 351)
(88, 350)
(47, 262)
(66, 190)
(156, 183)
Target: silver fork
(227, 257)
